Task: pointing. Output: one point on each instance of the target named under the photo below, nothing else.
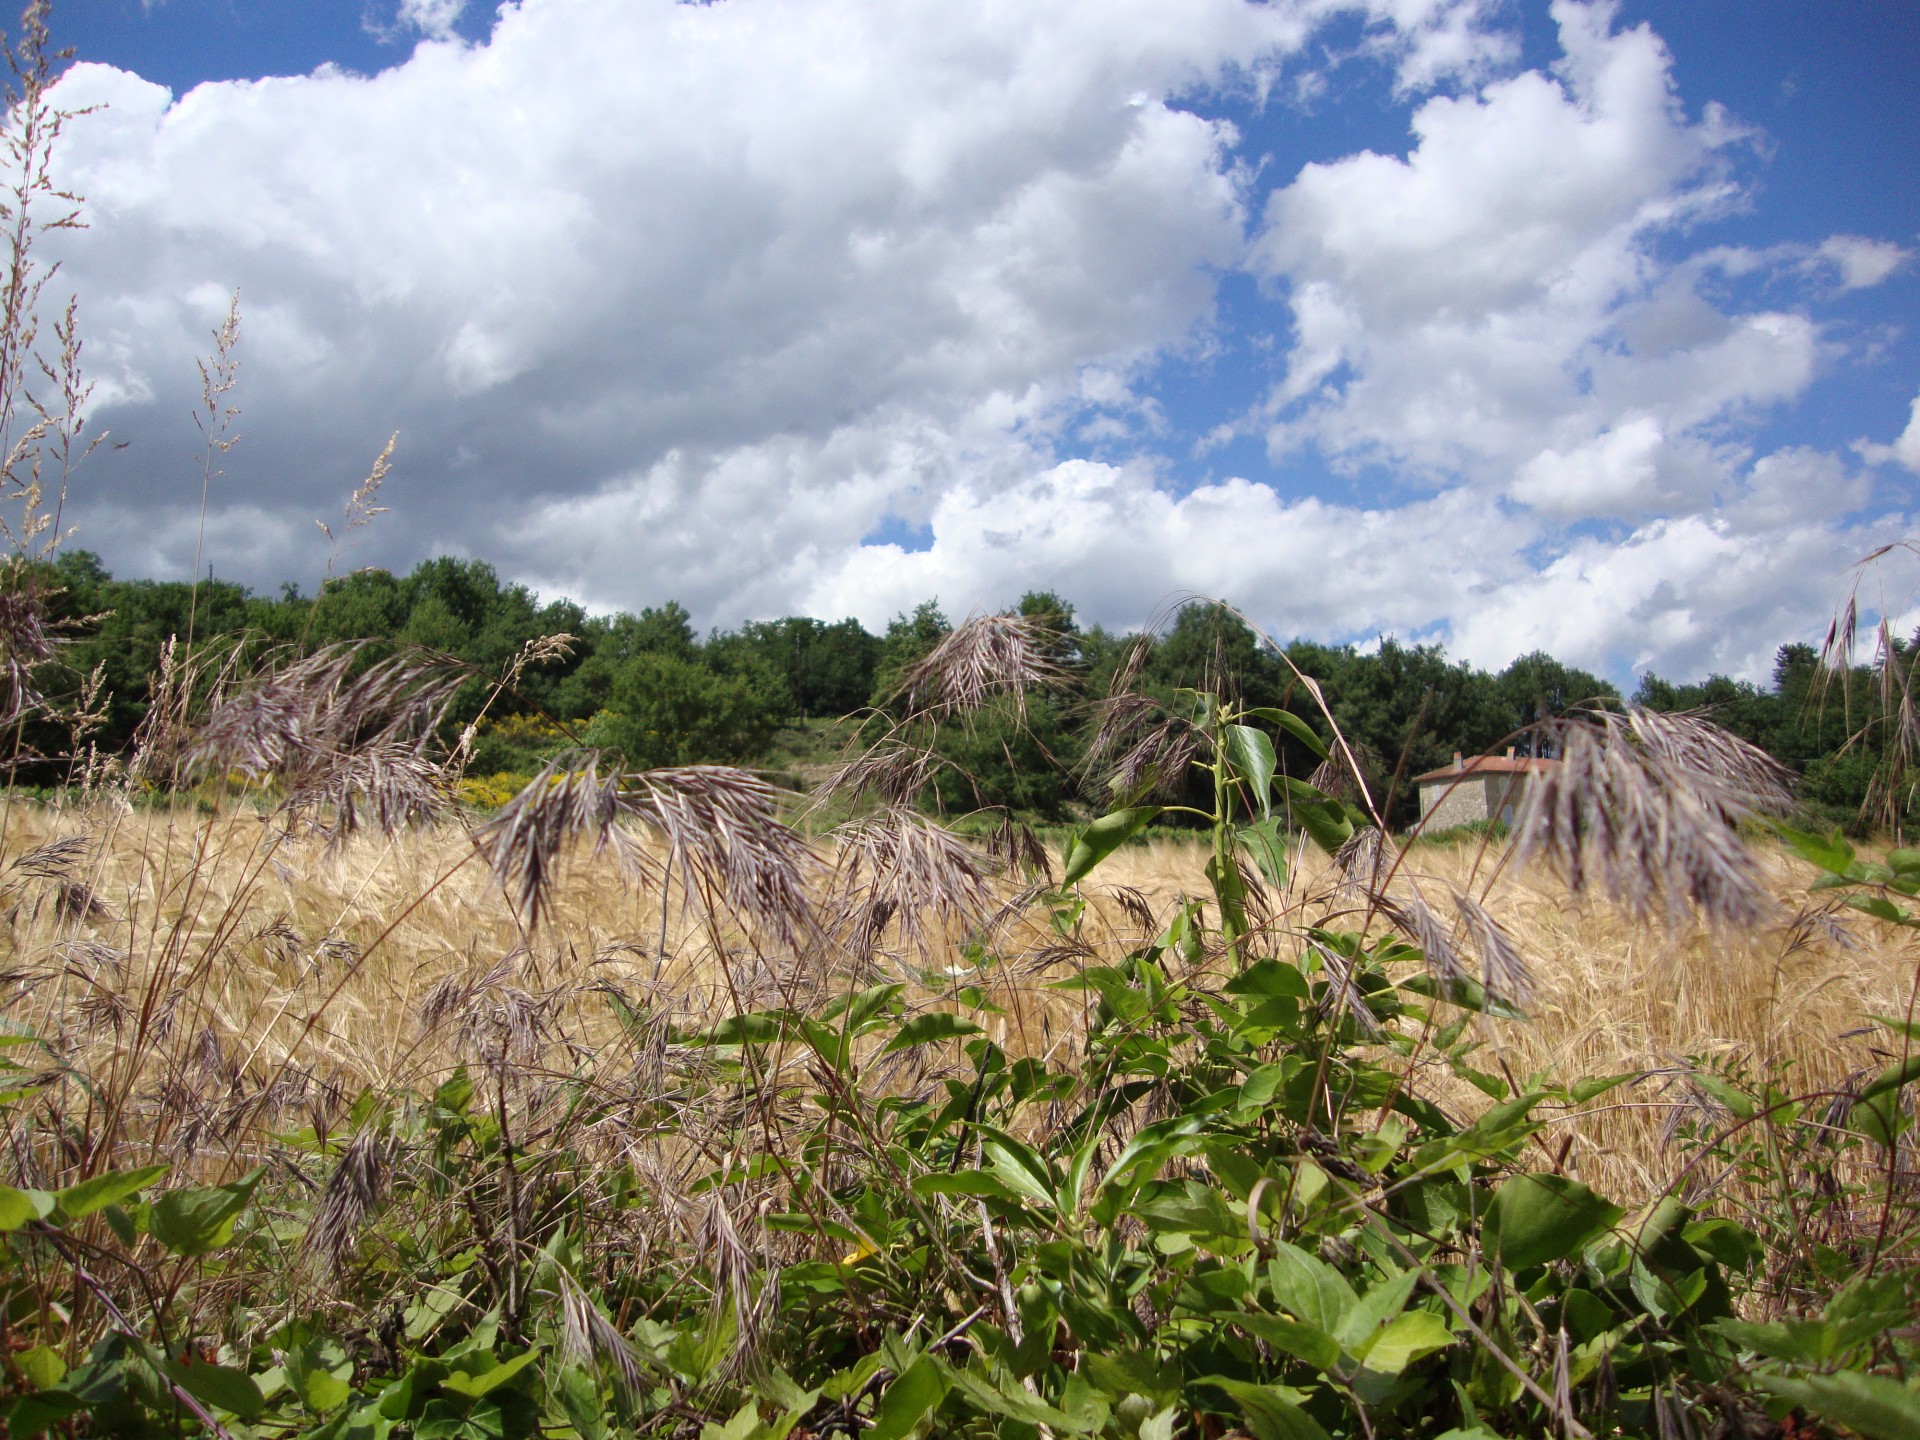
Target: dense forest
(650, 688)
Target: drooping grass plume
(986, 657)
(1643, 806)
(354, 1192)
(28, 641)
(346, 740)
(728, 850)
(891, 770)
(592, 1341)
(722, 827)
(898, 867)
(1140, 749)
(572, 798)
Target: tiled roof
(1485, 765)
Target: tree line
(651, 688)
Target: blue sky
(1506, 326)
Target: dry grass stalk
(1887, 717)
(533, 653)
(353, 1194)
(899, 868)
(981, 660)
(593, 1342)
(219, 374)
(362, 505)
(728, 850)
(32, 204)
(1644, 805)
(348, 741)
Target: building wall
(1474, 797)
(1446, 803)
(1505, 795)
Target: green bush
(668, 711)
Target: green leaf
(1266, 841)
(927, 1028)
(1230, 892)
(1152, 1146)
(1505, 1125)
(1021, 1167)
(1872, 1405)
(1306, 1342)
(1800, 1342)
(999, 1395)
(31, 1414)
(1404, 1339)
(220, 1386)
(23, 1207)
(761, 1027)
(1100, 839)
(862, 1006)
(197, 1219)
(1876, 1114)
(972, 1182)
(1595, 1086)
(1266, 1412)
(1259, 1088)
(1880, 908)
(1869, 1304)
(1739, 1104)
(1538, 1218)
(1893, 1077)
(1269, 978)
(745, 1425)
(1463, 992)
(1324, 819)
(1363, 1324)
(42, 1365)
(456, 1093)
(322, 1390)
(1194, 1209)
(913, 1394)
(1293, 725)
(122, 1224)
(104, 1190)
(1309, 1289)
(1880, 1121)
(1250, 753)
(578, 1396)
(1829, 852)
(489, 1380)
(403, 1398)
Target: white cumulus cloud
(554, 265)
(1905, 449)
(1862, 261)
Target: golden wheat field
(215, 951)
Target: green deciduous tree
(671, 711)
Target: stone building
(1482, 787)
